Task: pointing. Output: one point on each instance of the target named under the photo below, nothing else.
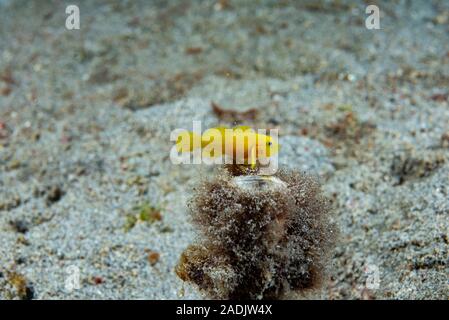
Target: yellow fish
(243, 144)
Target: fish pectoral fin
(253, 158)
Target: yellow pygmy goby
(243, 144)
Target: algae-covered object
(262, 237)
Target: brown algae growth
(261, 237)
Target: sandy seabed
(85, 119)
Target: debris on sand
(233, 115)
(24, 289)
(193, 50)
(152, 257)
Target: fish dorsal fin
(243, 128)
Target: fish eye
(270, 143)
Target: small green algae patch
(149, 213)
(142, 213)
(345, 108)
(130, 222)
